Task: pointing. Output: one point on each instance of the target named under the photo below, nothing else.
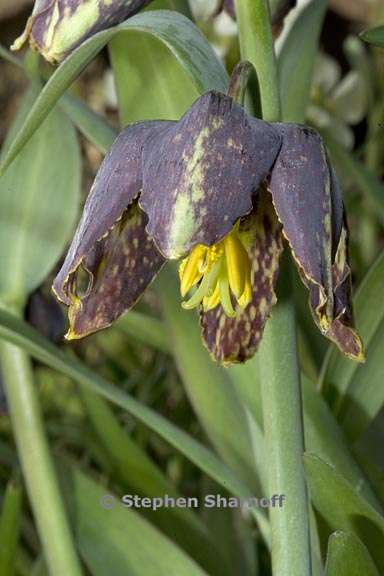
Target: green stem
(256, 45)
(277, 358)
(283, 429)
(36, 462)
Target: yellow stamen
(191, 269)
(237, 264)
(210, 302)
(246, 296)
(222, 273)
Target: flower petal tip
(71, 335)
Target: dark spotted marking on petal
(236, 339)
(120, 265)
(301, 189)
(57, 27)
(117, 184)
(308, 200)
(199, 175)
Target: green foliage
(347, 556)
(342, 507)
(374, 36)
(39, 200)
(10, 526)
(296, 60)
(141, 408)
(102, 534)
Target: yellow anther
(324, 323)
(210, 302)
(191, 269)
(246, 296)
(237, 264)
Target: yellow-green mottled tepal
(56, 27)
(219, 190)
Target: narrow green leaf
(10, 527)
(143, 64)
(348, 556)
(183, 39)
(374, 36)
(296, 60)
(114, 539)
(93, 126)
(324, 437)
(21, 334)
(137, 472)
(342, 507)
(355, 392)
(39, 200)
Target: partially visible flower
(218, 190)
(56, 27)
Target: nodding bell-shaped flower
(56, 27)
(219, 190)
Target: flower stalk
(277, 357)
(256, 45)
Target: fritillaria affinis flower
(218, 190)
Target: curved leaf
(347, 556)
(374, 36)
(179, 34)
(342, 507)
(39, 200)
(355, 393)
(296, 60)
(117, 540)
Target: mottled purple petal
(200, 175)
(337, 211)
(120, 267)
(117, 184)
(342, 330)
(57, 27)
(236, 339)
(308, 201)
(301, 189)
